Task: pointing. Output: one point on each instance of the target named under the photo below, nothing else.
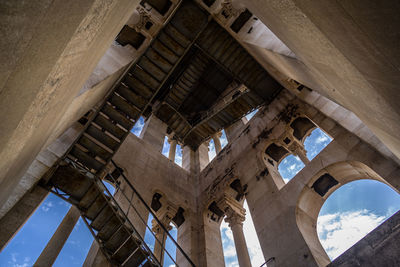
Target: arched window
(289, 167)
(253, 244)
(315, 142)
(352, 211)
(340, 183)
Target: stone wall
(379, 248)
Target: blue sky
(252, 242)
(29, 242)
(138, 127)
(178, 151)
(313, 144)
(349, 214)
(251, 114)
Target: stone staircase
(129, 99)
(76, 177)
(118, 239)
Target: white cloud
(14, 260)
(292, 167)
(339, 231)
(321, 139)
(47, 205)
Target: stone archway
(317, 191)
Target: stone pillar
(57, 241)
(153, 132)
(172, 149)
(203, 155)
(217, 142)
(235, 221)
(16, 217)
(190, 160)
(161, 236)
(233, 130)
(298, 150)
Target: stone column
(190, 160)
(233, 130)
(57, 241)
(217, 142)
(153, 132)
(161, 236)
(298, 150)
(204, 159)
(16, 217)
(235, 221)
(172, 149)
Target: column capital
(157, 229)
(233, 218)
(165, 215)
(171, 140)
(235, 213)
(217, 135)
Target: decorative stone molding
(144, 17)
(157, 229)
(234, 218)
(234, 211)
(227, 10)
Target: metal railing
(127, 194)
(272, 259)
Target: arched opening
(315, 142)
(301, 127)
(352, 211)
(316, 192)
(289, 167)
(169, 253)
(253, 244)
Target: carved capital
(227, 9)
(157, 229)
(217, 135)
(143, 19)
(234, 218)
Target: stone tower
(77, 76)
